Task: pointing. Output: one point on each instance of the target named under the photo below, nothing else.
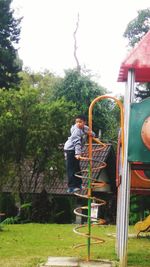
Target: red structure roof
(139, 60)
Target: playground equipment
(92, 183)
(140, 182)
(138, 148)
(143, 226)
(133, 146)
(89, 173)
(133, 177)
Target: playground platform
(75, 262)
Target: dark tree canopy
(10, 64)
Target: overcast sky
(47, 35)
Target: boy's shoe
(70, 190)
(76, 189)
(82, 187)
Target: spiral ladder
(88, 176)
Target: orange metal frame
(99, 98)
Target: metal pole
(124, 197)
(89, 212)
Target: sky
(46, 39)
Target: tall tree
(81, 90)
(10, 64)
(135, 30)
(31, 131)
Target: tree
(31, 132)
(10, 64)
(134, 32)
(138, 27)
(36, 119)
(45, 82)
(81, 90)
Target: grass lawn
(28, 245)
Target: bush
(7, 205)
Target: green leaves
(31, 130)
(138, 27)
(36, 120)
(10, 64)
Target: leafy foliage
(10, 220)
(142, 91)
(7, 205)
(34, 122)
(45, 82)
(138, 27)
(31, 131)
(140, 208)
(10, 64)
(81, 90)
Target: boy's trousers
(72, 167)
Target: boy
(73, 150)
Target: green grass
(28, 245)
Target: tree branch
(75, 45)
